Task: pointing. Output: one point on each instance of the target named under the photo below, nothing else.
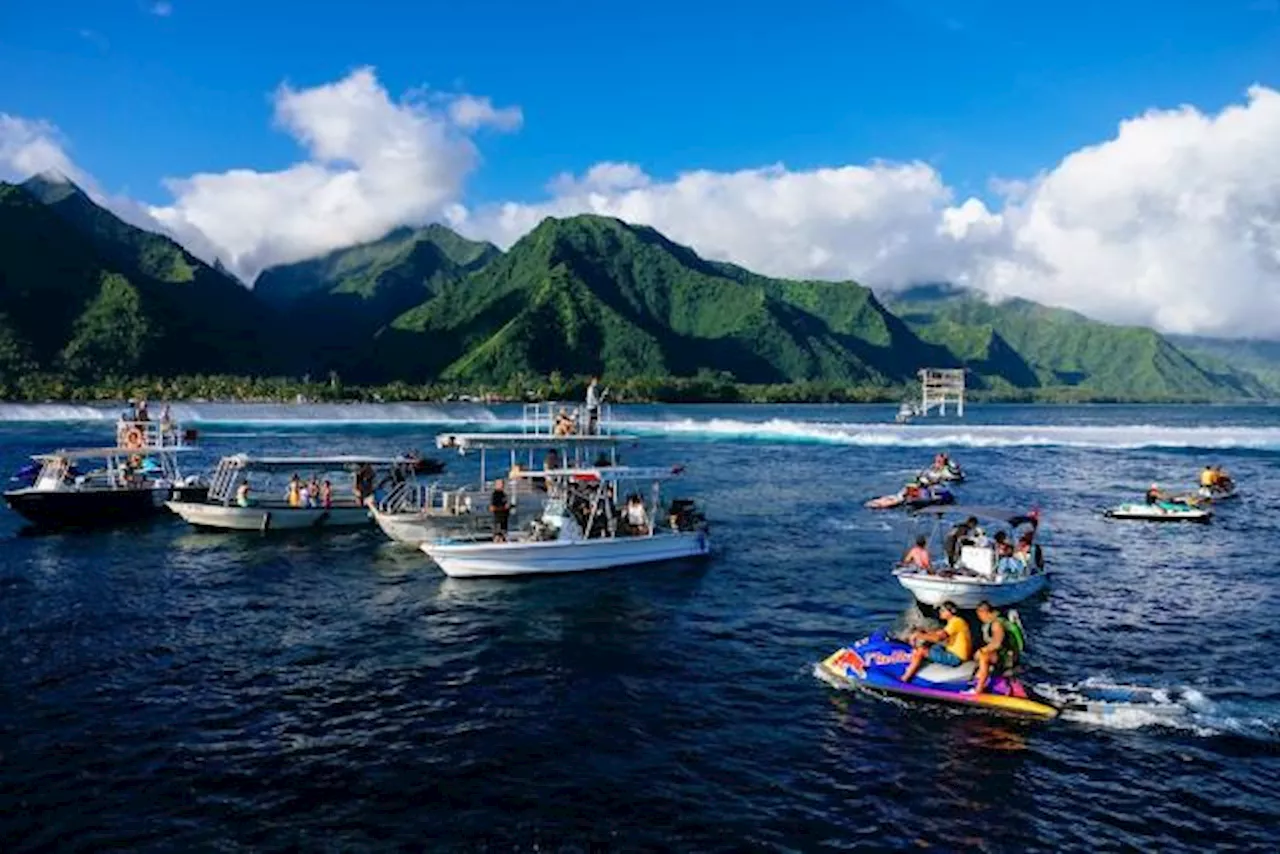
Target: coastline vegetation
(706, 387)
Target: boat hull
(414, 529)
(877, 664)
(1149, 513)
(268, 518)
(89, 508)
(967, 592)
(474, 560)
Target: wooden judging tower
(940, 386)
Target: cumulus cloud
(470, 113)
(372, 164)
(28, 147)
(1174, 222)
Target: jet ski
(877, 663)
(949, 473)
(1217, 493)
(1161, 511)
(914, 497)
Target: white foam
(966, 436)
(854, 433)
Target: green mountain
(85, 295)
(1062, 348)
(201, 318)
(343, 298)
(82, 292)
(592, 294)
(1259, 358)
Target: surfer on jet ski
(950, 645)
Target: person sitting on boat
(242, 494)
(500, 507)
(142, 412)
(1002, 643)
(961, 535)
(564, 425)
(918, 555)
(912, 492)
(950, 645)
(1154, 495)
(1208, 477)
(294, 493)
(326, 494)
(1006, 563)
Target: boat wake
(1130, 707)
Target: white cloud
(372, 164)
(470, 113)
(1175, 222)
(30, 146)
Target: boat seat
(934, 672)
(980, 560)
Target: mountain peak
(52, 186)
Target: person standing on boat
(500, 507)
(294, 493)
(962, 534)
(594, 397)
(950, 645)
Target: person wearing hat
(950, 645)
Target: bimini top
(603, 473)
(505, 441)
(247, 461)
(1009, 517)
(105, 453)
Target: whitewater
(740, 423)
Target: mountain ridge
(82, 291)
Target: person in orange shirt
(950, 645)
(918, 555)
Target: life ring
(133, 438)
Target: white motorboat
(580, 530)
(973, 572)
(415, 513)
(1160, 511)
(235, 503)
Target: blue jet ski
(877, 663)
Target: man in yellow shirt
(949, 645)
(1208, 477)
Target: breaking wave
(967, 435)
(739, 429)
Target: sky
(1115, 158)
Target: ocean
(167, 689)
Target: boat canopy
(106, 453)
(1001, 514)
(517, 441)
(247, 461)
(604, 473)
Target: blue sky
(977, 88)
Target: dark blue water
(167, 689)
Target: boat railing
(560, 418)
(142, 435)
